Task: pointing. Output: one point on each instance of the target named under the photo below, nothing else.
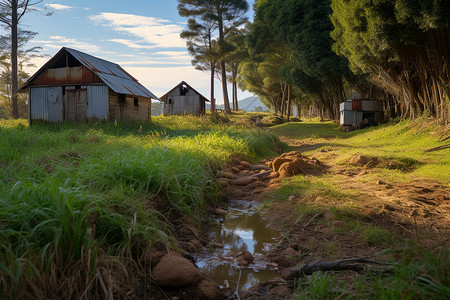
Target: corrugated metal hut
(75, 86)
(183, 99)
(357, 113)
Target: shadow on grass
(311, 130)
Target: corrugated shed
(112, 75)
(39, 110)
(97, 107)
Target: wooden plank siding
(127, 110)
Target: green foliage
(72, 192)
(303, 29)
(208, 18)
(402, 45)
(317, 286)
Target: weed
(74, 197)
(317, 286)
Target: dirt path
(325, 211)
(320, 227)
(419, 208)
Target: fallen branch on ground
(353, 264)
(438, 148)
(260, 175)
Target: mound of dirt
(362, 160)
(294, 163)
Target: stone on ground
(209, 290)
(173, 270)
(244, 258)
(243, 181)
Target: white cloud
(172, 53)
(59, 6)
(57, 42)
(131, 44)
(161, 80)
(153, 31)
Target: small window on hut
(136, 101)
(183, 90)
(121, 98)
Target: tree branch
(353, 264)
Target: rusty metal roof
(177, 86)
(113, 75)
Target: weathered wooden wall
(187, 104)
(127, 110)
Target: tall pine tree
(228, 15)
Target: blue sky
(140, 35)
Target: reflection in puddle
(244, 229)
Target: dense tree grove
(397, 51)
(402, 45)
(298, 33)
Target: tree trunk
(299, 111)
(235, 86)
(213, 100)
(289, 103)
(233, 81)
(14, 81)
(223, 71)
(226, 100)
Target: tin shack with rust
(75, 86)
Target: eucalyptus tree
(11, 13)
(302, 28)
(24, 57)
(263, 68)
(228, 14)
(238, 54)
(203, 47)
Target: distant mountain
(252, 104)
(249, 104)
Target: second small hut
(183, 99)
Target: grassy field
(404, 143)
(78, 201)
(348, 205)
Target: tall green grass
(74, 193)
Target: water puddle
(244, 229)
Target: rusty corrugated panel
(61, 76)
(112, 74)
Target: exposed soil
(415, 212)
